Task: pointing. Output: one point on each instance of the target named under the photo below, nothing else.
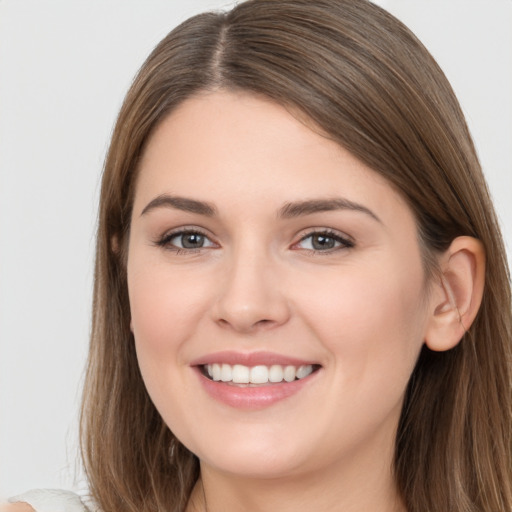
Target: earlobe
(458, 294)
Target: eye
(185, 240)
(323, 241)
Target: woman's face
(276, 289)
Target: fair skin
(256, 241)
(340, 286)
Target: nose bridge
(250, 297)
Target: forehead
(230, 147)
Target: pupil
(192, 241)
(323, 242)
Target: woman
(301, 299)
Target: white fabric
(51, 500)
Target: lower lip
(257, 397)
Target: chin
(256, 466)
(252, 456)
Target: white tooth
(289, 373)
(240, 374)
(259, 375)
(304, 371)
(226, 374)
(275, 373)
(216, 371)
(209, 370)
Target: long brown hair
(369, 84)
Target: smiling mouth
(260, 375)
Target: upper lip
(249, 359)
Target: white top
(52, 500)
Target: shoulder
(45, 500)
(15, 507)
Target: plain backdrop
(64, 68)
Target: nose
(252, 297)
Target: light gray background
(64, 68)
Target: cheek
(372, 325)
(166, 307)
(371, 319)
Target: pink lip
(250, 398)
(249, 359)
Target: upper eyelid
(302, 235)
(345, 242)
(167, 236)
(185, 229)
(328, 231)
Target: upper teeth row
(240, 374)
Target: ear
(458, 294)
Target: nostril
(247, 325)
(251, 311)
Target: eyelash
(344, 242)
(165, 241)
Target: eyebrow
(180, 203)
(300, 208)
(288, 211)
